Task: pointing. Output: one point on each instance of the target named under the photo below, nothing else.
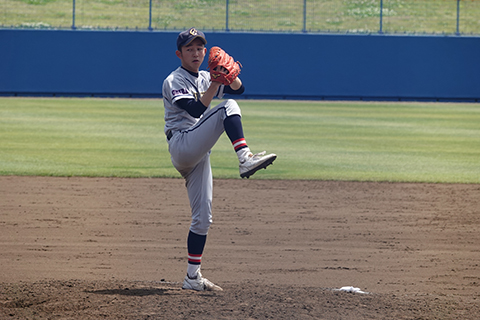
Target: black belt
(169, 135)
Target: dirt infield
(105, 248)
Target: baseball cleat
(200, 284)
(256, 162)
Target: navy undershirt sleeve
(194, 108)
(229, 90)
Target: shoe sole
(211, 287)
(263, 165)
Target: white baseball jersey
(180, 84)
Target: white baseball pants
(190, 153)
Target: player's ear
(178, 54)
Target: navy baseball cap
(187, 36)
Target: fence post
(226, 16)
(150, 17)
(458, 18)
(381, 17)
(304, 16)
(73, 16)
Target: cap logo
(193, 32)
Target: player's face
(192, 55)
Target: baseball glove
(219, 58)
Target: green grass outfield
(410, 16)
(361, 141)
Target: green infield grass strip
(361, 141)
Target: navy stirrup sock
(234, 129)
(195, 246)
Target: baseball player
(192, 129)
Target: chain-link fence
(344, 16)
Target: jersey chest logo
(180, 91)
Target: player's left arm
(229, 90)
(236, 84)
(236, 87)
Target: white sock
(192, 270)
(243, 154)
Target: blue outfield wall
(280, 66)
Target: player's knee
(232, 108)
(200, 226)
